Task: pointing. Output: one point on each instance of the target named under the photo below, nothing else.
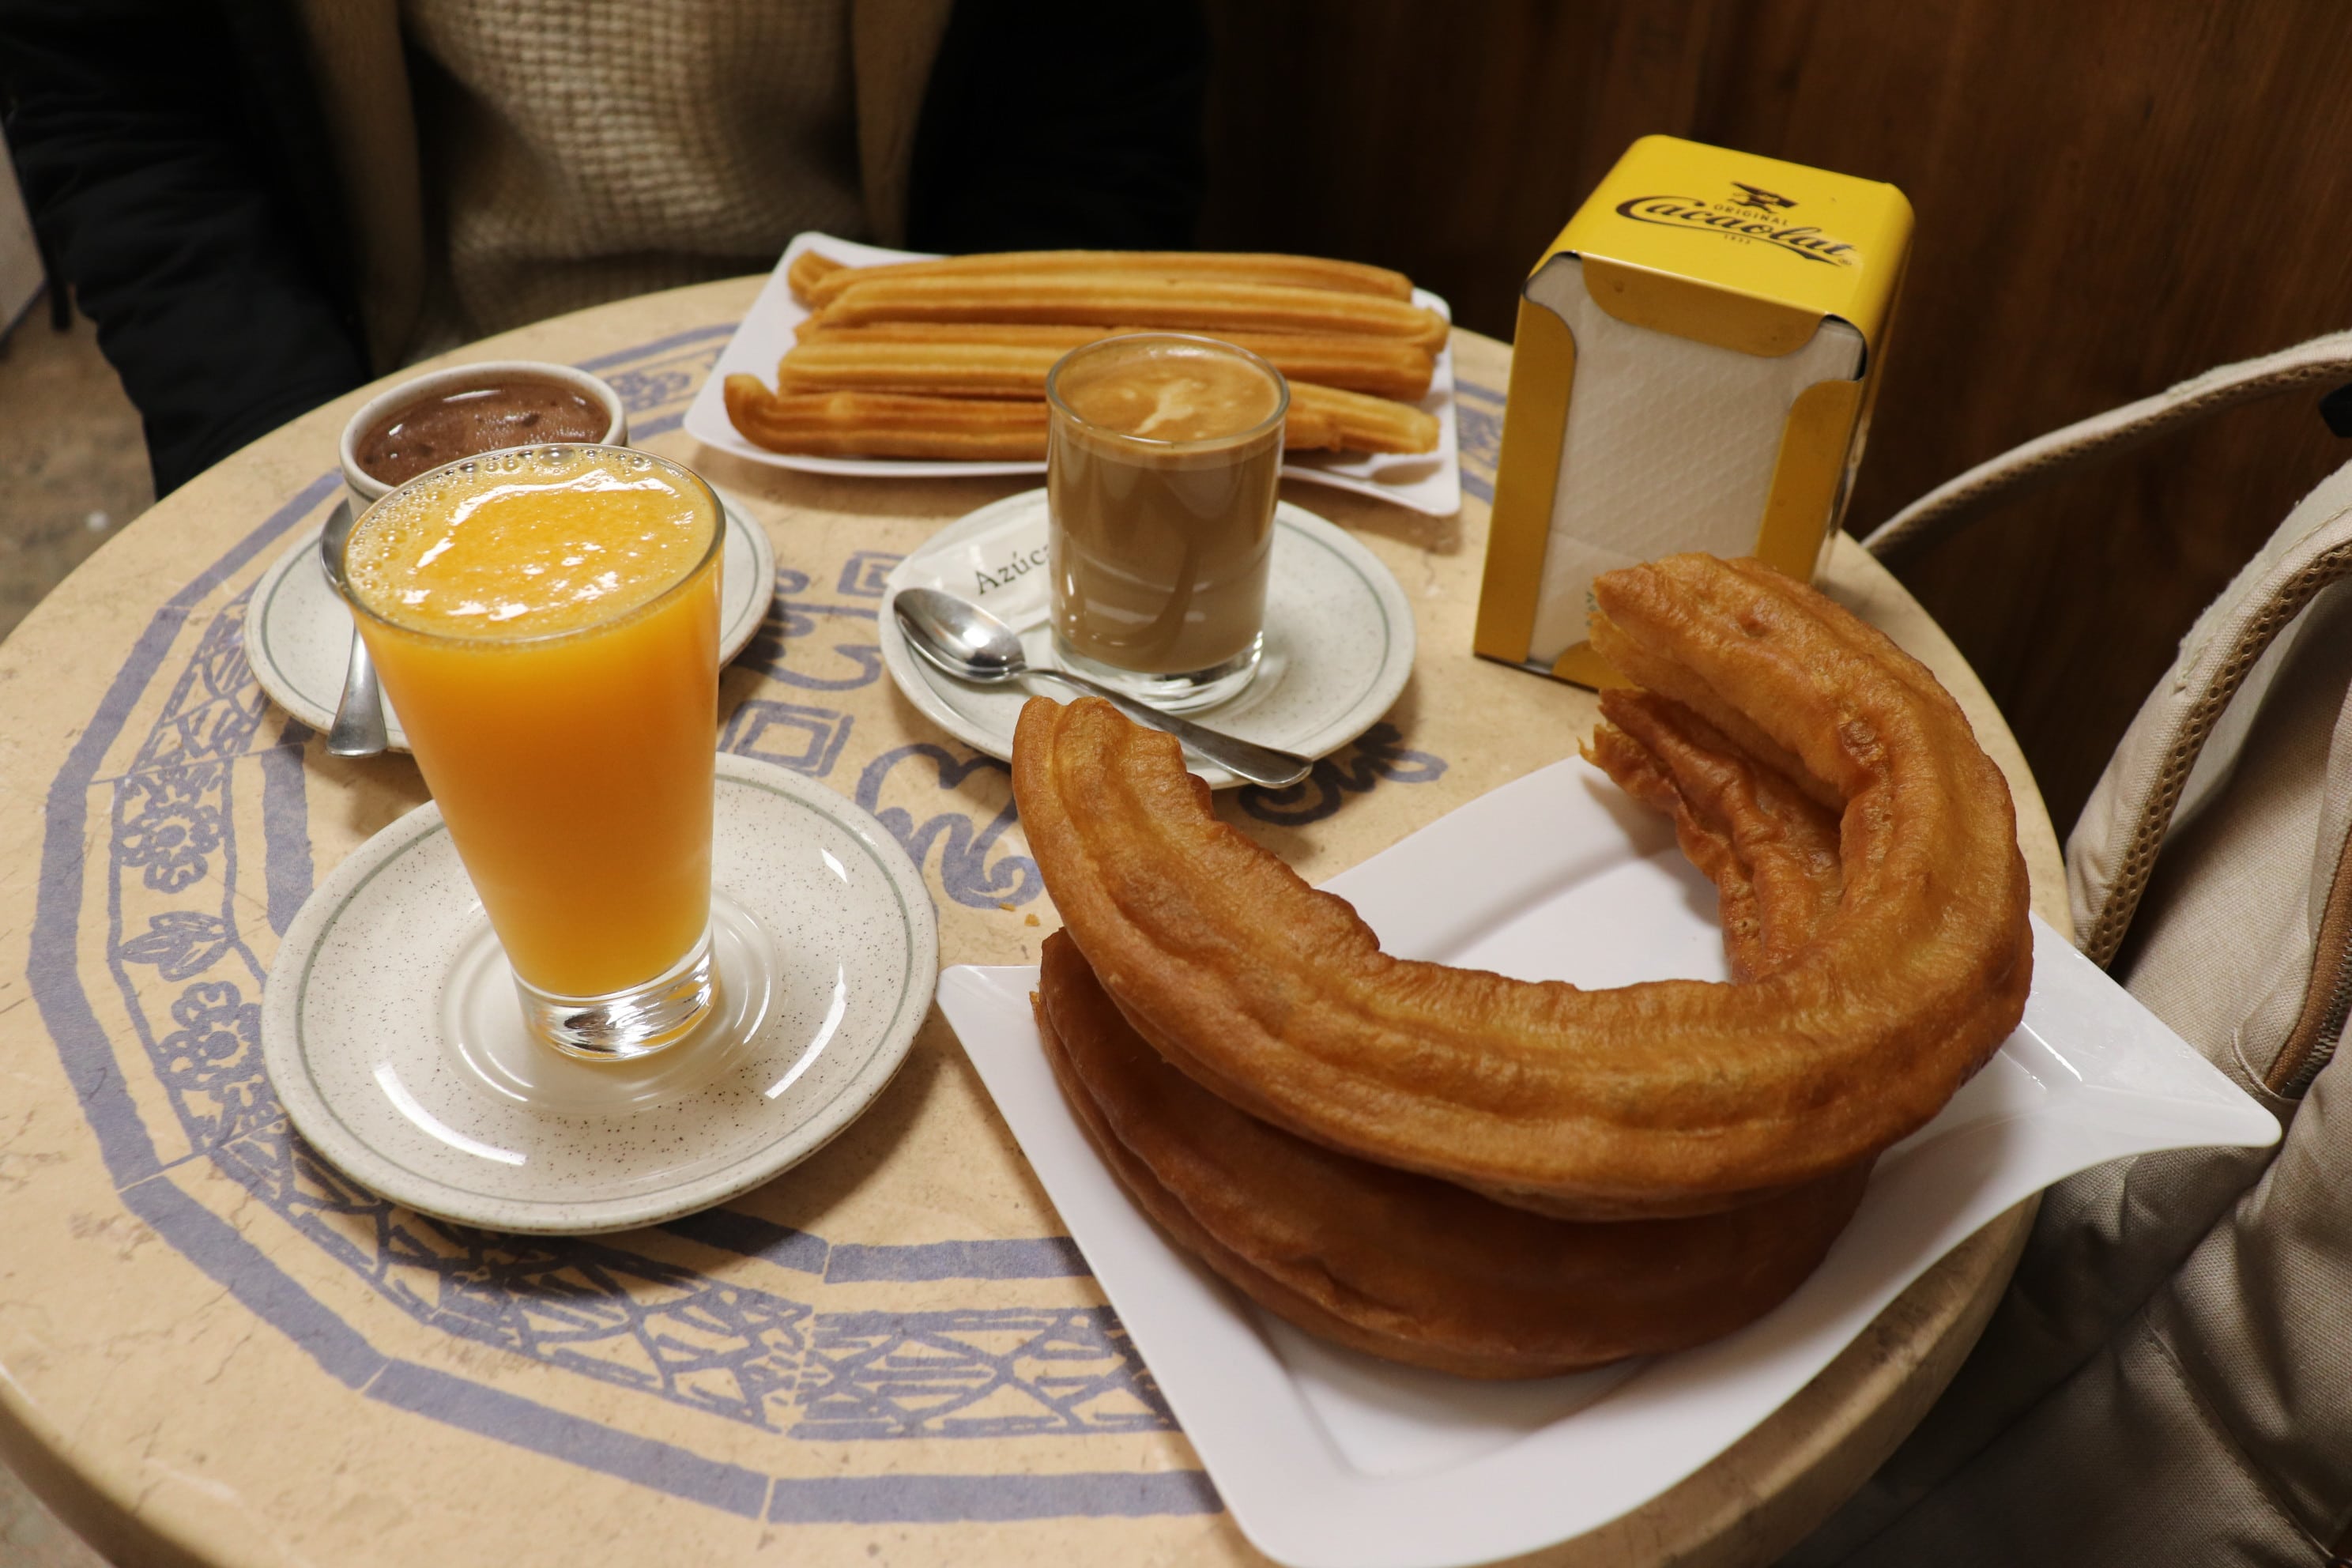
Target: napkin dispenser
(1693, 370)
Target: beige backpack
(2169, 1377)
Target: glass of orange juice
(546, 622)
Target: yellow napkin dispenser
(1693, 370)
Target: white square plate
(1332, 1459)
(1431, 483)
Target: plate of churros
(1477, 1197)
(862, 361)
(1332, 1459)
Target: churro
(942, 368)
(1771, 849)
(1400, 1265)
(1013, 430)
(1376, 367)
(887, 425)
(1107, 299)
(1010, 360)
(818, 288)
(1648, 1100)
(1327, 418)
(1033, 334)
(809, 270)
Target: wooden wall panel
(1450, 140)
(2112, 194)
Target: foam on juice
(528, 543)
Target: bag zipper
(2327, 998)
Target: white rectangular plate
(1332, 1459)
(1432, 484)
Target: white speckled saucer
(392, 1036)
(1339, 633)
(297, 635)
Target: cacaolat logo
(1752, 214)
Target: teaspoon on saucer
(359, 730)
(969, 643)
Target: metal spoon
(358, 729)
(965, 640)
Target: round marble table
(214, 1348)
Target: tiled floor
(73, 466)
(72, 470)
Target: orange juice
(546, 623)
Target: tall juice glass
(546, 622)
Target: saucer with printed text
(1339, 634)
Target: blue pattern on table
(634, 1312)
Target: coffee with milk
(1162, 463)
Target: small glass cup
(1163, 454)
(576, 768)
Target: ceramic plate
(1339, 633)
(1431, 483)
(391, 1032)
(1332, 1459)
(298, 635)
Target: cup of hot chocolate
(470, 409)
(1163, 455)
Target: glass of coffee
(1162, 459)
